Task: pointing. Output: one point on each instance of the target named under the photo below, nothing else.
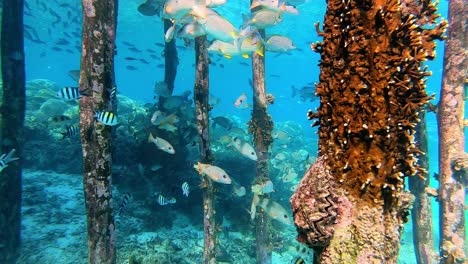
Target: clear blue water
(296, 69)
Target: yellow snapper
(230, 49)
(213, 172)
(161, 144)
(265, 18)
(278, 43)
(244, 148)
(275, 211)
(218, 27)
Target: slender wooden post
(261, 126)
(421, 214)
(171, 60)
(12, 133)
(201, 95)
(451, 142)
(96, 82)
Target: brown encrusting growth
(371, 89)
(201, 95)
(96, 83)
(12, 128)
(452, 176)
(261, 127)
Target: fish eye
(252, 153)
(224, 176)
(285, 216)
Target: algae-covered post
(12, 132)
(261, 127)
(452, 158)
(96, 83)
(421, 214)
(351, 204)
(201, 95)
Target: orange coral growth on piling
(371, 88)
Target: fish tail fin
(9, 157)
(294, 91)
(150, 138)
(260, 52)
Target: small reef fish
(222, 121)
(69, 93)
(155, 167)
(229, 49)
(60, 118)
(273, 209)
(274, 5)
(213, 172)
(74, 74)
(71, 131)
(190, 30)
(244, 148)
(163, 121)
(106, 118)
(278, 43)
(161, 144)
(238, 190)
(265, 18)
(165, 201)
(306, 92)
(7, 158)
(150, 8)
(123, 204)
(185, 189)
(218, 27)
(161, 89)
(263, 188)
(240, 102)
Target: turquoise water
(173, 233)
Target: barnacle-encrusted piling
(11, 130)
(451, 137)
(261, 126)
(371, 89)
(201, 95)
(96, 83)
(421, 214)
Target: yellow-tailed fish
(213, 172)
(161, 144)
(218, 27)
(230, 49)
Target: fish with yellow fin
(273, 209)
(213, 172)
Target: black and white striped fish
(164, 201)
(106, 118)
(123, 204)
(71, 131)
(7, 158)
(185, 189)
(69, 93)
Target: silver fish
(185, 189)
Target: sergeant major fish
(106, 118)
(71, 131)
(123, 204)
(185, 189)
(69, 93)
(165, 201)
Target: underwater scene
(157, 172)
